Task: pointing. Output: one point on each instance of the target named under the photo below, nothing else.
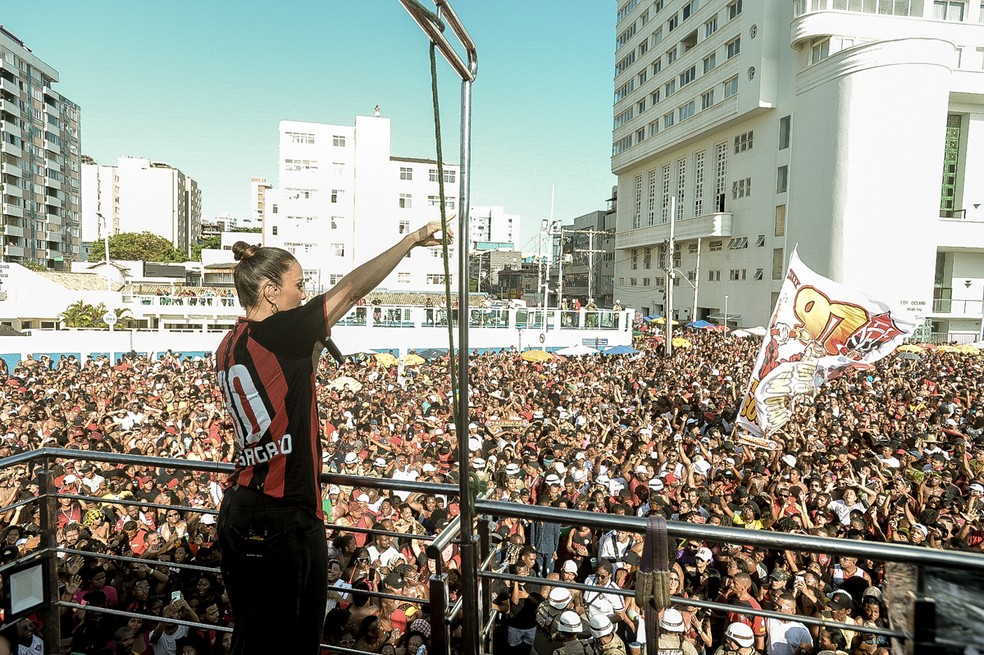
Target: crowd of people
(890, 453)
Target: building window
(760, 241)
(741, 188)
(784, 125)
(622, 118)
(731, 87)
(758, 274)
(335, 220)
(647, 259)
(300, 137)
(641, 106)
(634, 258)
(671, 56)
(645, 281)
(710, 61)
(951, 160)
(737, 274)
(669, 88)
(404, 227)
(780, 220)
(642, 77)
(656, 66)
(632, 281)
(687, 110)
(435, 278)
(338, 249)
(668, 119)
(713, 276)
(664, 215)
(406, 201)
(273, 230)
(777, 264)
(734, 47)
(622, 145)
(743, 141)
(338, 140)
(688, 76)
(300, 165)
(654, 97)
(637, 205)
(782, 179)
(698, 184)
(711, 26)
(952, 10)
(681, 187)
(734, 9)
(403, 278)
(738, 243)
(651, 211)
(337, 195)
(406, 173)
(654, 127)
(673, 23)
(707, 99)
(820, 50)
(715, 246)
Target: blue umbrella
(432, 353)
(700, 325)
(651, 317)
(621, 350)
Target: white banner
(819, 328)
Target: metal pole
(725, 316)
(560, 277)
(668, 314)
(470, 628)
(693, 314)
(48, 517)
(590, 264)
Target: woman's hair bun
(242, 250)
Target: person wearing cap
(267, 375)
(672, 639)
(606, 642)
(567, 629)
(840, 607)
(557, 602)
(738, 640)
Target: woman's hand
(425, 235)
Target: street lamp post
(726, 316)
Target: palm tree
(81, 314)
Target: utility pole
(693, 314)
(590, 250)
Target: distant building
(258, 187)
(342, 198)
(853, 130)
(492, 225)
(588, 259)
(487, 262)
(41, 177)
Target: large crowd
(893, 452)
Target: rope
(652, 592)
(452, 368)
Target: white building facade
(100, 199)
(492, 225)
(41, 162)
(150, 197)
(846, 128)
(343, 198)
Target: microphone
(335, 353)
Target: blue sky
(203, 85)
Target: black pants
(275, 568)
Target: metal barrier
(444, 615)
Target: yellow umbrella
(385, 359)
(536, 356)
(948, 349)
(662, 321)
(910, 348)
(680, 342)
(413, 360)
(968, 349)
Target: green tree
(211, 243)
(81, 314)
(141, 246)
(247, 230)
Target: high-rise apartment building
(492, 225)
(258, 187)
(343, 198)
(140, 195)
(846, 128)
(40, 161)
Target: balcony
(14, 251)
(708, 225)
(9, 86)
(13, 231)
(13, 190)
(956, 308)
(10, 107)
(11, 149)
(13, 210)
(10, 168)
(52, 201)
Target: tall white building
(139, 195)
(100, 199)
(40, 159)
(848, 128)
(492, 225)
(343, 198)
(258, 187)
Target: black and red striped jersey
(266, 372)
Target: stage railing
(914, 612)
